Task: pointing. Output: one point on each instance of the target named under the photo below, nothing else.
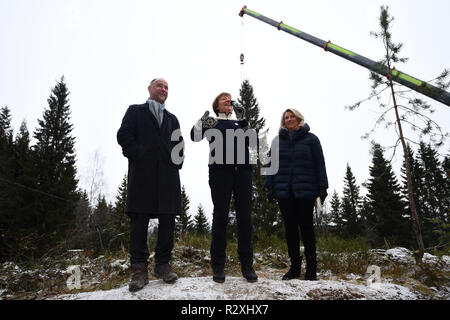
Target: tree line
(43, 211)
(382, 214)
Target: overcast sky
(108, 51)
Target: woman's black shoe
(249, 273)
(292, 274)
(310, 275)
(219, 275)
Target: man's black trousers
(298, 213)
(223, 184)
(139, 242)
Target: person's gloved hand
(322, 194)
(207, 121)
(238, 110)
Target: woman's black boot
(311, 268)
(294, 272)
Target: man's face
(159, 90)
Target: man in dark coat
(149, 137)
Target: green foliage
(265, 241)
(265, 214)
(442, 230)
(430, 190)
(54, 160)
(250, 104)
(183, 222)
(336, 244)
(201, 225)
(193, 240)
(350, 206)
(384, 218)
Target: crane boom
(396, 75)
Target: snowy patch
(400, 255)
(234, 288)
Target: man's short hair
(156, 79)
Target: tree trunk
(412, 204)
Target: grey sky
(109, 51)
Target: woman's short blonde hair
(215, 103)
(297, 114)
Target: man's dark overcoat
(153, 179)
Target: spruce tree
(183, 222)
(121, 197)
(6, 178)
(6, 158)
(100, 222)
(367, 220)
(433, 191)
(336, 214)
(446, 168)
(405, 108)
(434, 181)
(54, 160)
(351, 205)
(201, 226)
(384, 194)
(119, 222)
(248, 100)
(82, 236)
(24, 196)
(417, 179)
(266, 219)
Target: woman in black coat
(230, 173)
(300, 180)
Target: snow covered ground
(270, 287)
(400, 278)
(234, 288)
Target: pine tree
(183, 222)
(433, 192)
(119, 221)
(6, 153)
(23, 196)
(100, 222)
(434, 181)
(384, 195)
(367, 220)
(417, 178)
(446, 168)
(266, 219)
(121, 197)
(82, 237)
(201, 225)
(405, 109)
(6, 187)
(248, 100)
(54, 159)
(351, 205)
(336, 213)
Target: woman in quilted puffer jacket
(300, 180)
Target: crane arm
(393, 74)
